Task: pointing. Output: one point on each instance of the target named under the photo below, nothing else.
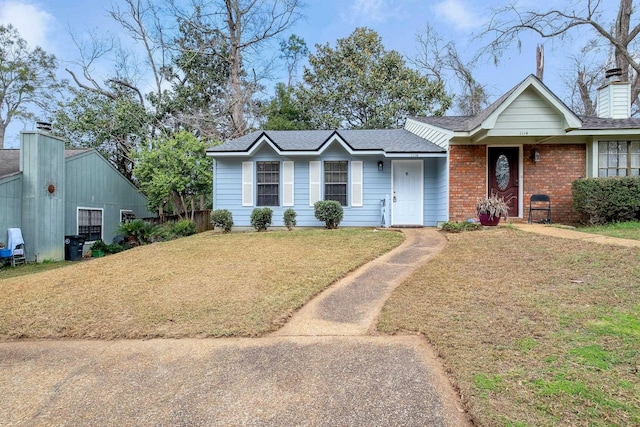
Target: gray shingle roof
(387, 140)
(10, 159)
(595, 123)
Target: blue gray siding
(376, 185)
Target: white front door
(407, 192)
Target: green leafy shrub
(114, 248)
(139, 232)
(606, 200)
(222, 218)
(261, 218)
(328, 211)
(458, 227)
(99, 245)
(289, 218)
(182, 228)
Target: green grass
(625, 230)
(8, 271)
(535, 330)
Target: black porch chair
(540, 202)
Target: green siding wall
(10, 204)
(42, 165)
(91, 182)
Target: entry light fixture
(380, 165)
(535, 155)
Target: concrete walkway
(323, 368)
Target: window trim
(258, 183)
(122, 211)
(627, 167)
(85, 208)
(345, 183)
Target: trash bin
(73, 248)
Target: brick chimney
(614, 96)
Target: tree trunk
(2, 130)
(234, 25)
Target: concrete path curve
(323, 368)
(568, 233)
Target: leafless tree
(444, 63)
(245, 26)
(508, 24)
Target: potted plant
(98, 249)
(491, 208)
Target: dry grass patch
(536, 331)
(238, 284)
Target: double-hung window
(90, 224)
(268, 183)
(618, 158)
(336, 180)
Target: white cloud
(33, 23)
(363, 12)
(456, 12)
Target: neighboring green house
(50, 192)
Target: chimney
(44, 126)
(614, 96)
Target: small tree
(176, 170)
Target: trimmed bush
(328, 211)
(261, 218)
(222, 218)
(606, 200)
(289, 218)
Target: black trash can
(73, 248)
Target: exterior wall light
(535, 156)
(380, 166)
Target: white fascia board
(605, 132)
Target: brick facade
(467, 179)
(558, 167)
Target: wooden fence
(202, 219)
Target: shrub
(222, 218)
(261, 218)
(606, 200)
(138, 231)
(328, 211)
(289, 218)
(458, 227)
(182, 228)
(99, 245)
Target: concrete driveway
(325, 367)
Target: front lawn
(237, 284)
(535, 330)
(625, 230)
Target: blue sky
(49, 23)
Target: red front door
(504, 175)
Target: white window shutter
(247, 183)
(287, 184)
(356, 183)
(314, 182)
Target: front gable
(530, 109)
